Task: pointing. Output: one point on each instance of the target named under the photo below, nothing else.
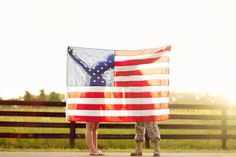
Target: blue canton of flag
(99, 67)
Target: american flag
(118, 85)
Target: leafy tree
(42, 96)
(28, 96)
(53, 96)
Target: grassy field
(63, 144)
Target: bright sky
(34, 35)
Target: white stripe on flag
(118, 100)
(142, 66)
(114, 113)
(117, 89)
(142, 77)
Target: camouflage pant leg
(153, 131)
(140, 131)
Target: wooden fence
(72, 135)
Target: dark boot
(138, 150)
(156, 149)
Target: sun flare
(231, 97)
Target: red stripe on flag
(142, 61)
(117, 106)
(142, 83)
(143, 72)
(117, 119)
(117, 94)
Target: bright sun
(231, 97)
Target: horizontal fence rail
(223, 127)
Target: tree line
(42, 96)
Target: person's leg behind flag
(139, 138)
(154, 135)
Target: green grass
(114, 145)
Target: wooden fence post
(224, 127)
(72, 134)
